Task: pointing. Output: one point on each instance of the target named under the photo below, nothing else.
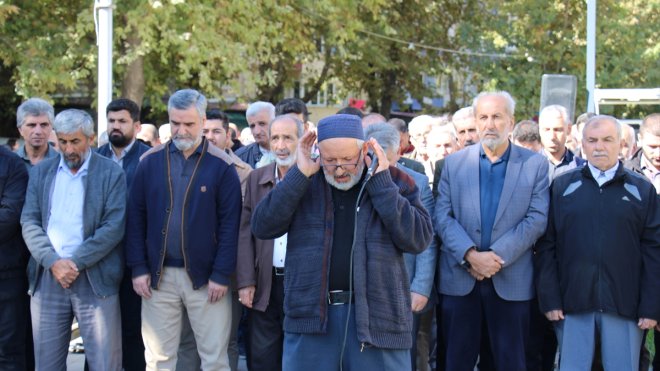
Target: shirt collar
(125, 150)
(565, 159)
(609, 173)
(648, 167)
(50, 152)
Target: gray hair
(445, 128)
(629, 133)
(185, 98)
(420, 121)
(34, 107)
(555, 109)
(300, 128)
(526, 131)
(385, 134)
(398, 124)
(71, 120)
(597, 119)
(256, 107)
(463, 114)
(510, 103)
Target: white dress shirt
(279, 244)
(65, 222)
(120, 160)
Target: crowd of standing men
(449, 242)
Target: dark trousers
(542, 345)
(507, 324)
(656, 340)
(130, 305)
(266, 332)
(13, 332)
(415, 331)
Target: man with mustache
(123, 117)
(599, 261)
(182, 233)
(554, 128)
(347, 298)
(34, 119)
(260, 263)
(259, 115)
(73, 224)
(492, 207)
(466, 127)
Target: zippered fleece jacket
(601, 250)
(391, 220)
(211, 213)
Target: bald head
(148, 134)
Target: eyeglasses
(346, 167)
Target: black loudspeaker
(561, 90)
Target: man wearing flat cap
(347, 301)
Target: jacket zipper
(169, 216)
(183, 211)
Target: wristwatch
(466, 264)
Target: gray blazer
(104, 217)
(520, 220)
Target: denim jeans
(53, 308)
(321, 352)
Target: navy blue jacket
(13, 253)
(212, 210)
(130, 161)
(250, 154)
(601, 250)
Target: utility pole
(103, 20)
(591, 54)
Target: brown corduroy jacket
(254, 265)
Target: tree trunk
(314, 89)
(132, 86)
(451, 104)
(386, 95)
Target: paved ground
(76, 362)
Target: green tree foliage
(256, 49)
(399, 43)
(550, 38)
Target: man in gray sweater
(73, 223)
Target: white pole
(591, 54)
(104, 41)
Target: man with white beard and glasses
(181, 238)
(347, 299)
(260, 263)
